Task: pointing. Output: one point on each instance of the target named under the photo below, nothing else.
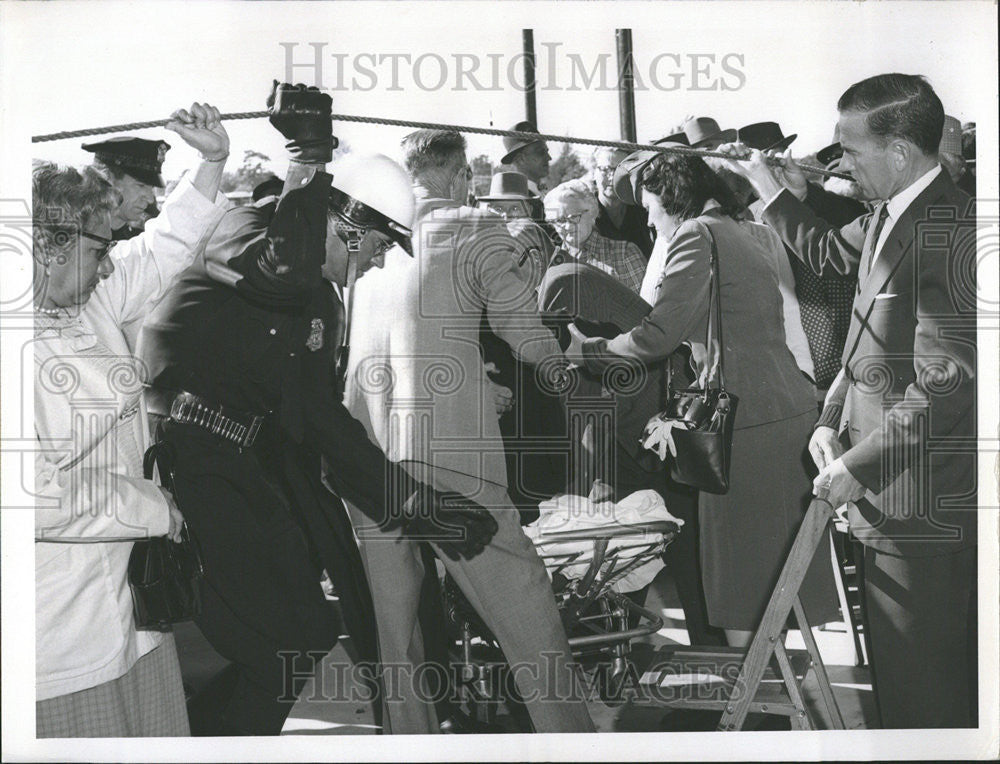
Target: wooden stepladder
(754, 688)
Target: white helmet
(373, 191)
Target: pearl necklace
(50, 311)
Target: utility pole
(530, 110)
(626, 91)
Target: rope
(625, 145)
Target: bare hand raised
(201, 128)
(788, 172)
(766, 179)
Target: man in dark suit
(896, 440)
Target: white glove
(658, 435)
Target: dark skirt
(747, 533)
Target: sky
(85, 64)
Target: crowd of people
(370, 374)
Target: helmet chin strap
(353, 242)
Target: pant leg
(263, 607)
(509, 588)
(434, 627)
(395, 575)
(918, 614)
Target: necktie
(869, 254)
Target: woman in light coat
(746, 533)
(96, 675)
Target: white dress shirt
(897, 205)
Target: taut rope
(432, 126)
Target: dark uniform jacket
(253, 325)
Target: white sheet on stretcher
(571, 512)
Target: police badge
(315, 341)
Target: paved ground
(317, 714)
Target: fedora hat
(507, 185)
(512, 144)
(766, 136)
(702, 132)
(679, 138)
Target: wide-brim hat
(138, 157)
(507, 185)
(678, 138)
(513, 144)
(765, 136)
(628, 175)
(704, 131)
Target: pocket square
(885, 295)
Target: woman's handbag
(165, 577)
(699, 420)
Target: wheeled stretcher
(588, 566)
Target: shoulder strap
(714, 317)
(715, 306)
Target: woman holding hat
(746, 533)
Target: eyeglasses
(572, 219)
(108, 244)
(381, 246)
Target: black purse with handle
(164, 576)
(704, 449)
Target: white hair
(576, 189)
(598, 149)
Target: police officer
(133, 166)
(241, 356)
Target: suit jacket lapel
(898, 243)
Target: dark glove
(457, 525)
(302, 115)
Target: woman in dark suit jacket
(745, 534)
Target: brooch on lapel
(315, 341)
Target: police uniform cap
(138, 157)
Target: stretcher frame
(587, 604)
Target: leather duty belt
(239, 427)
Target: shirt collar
(897, 205)
(711, 204)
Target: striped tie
(872, 243)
